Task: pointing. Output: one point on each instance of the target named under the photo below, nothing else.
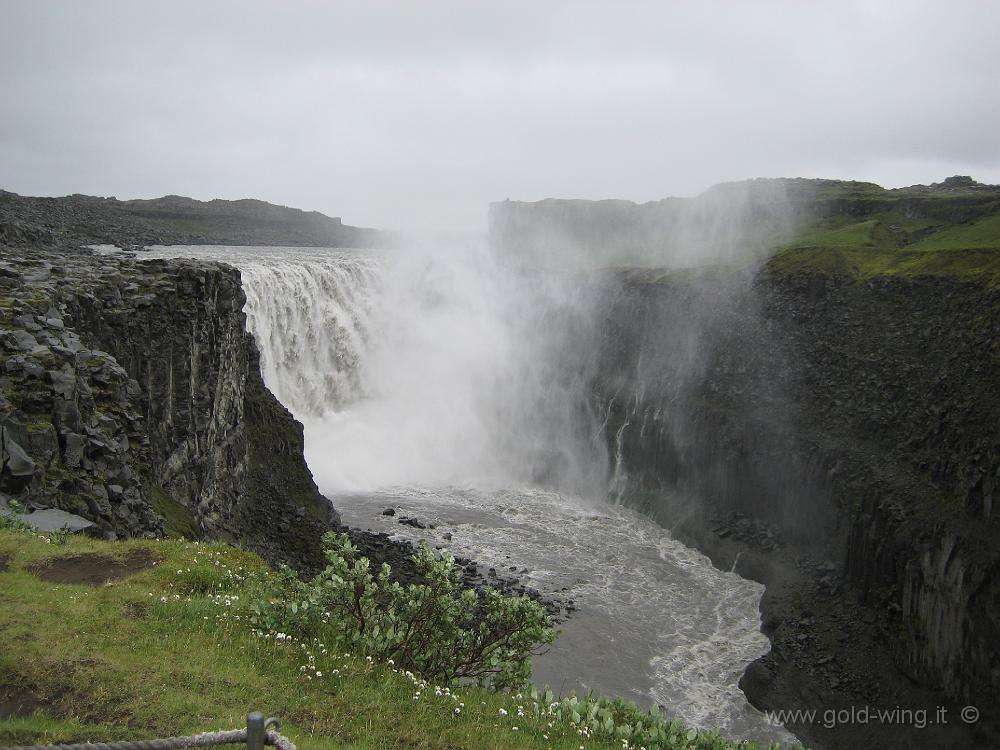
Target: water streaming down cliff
(440, 383)
(310, 319)
(433, 368)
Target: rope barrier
(255, 736)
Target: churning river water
(433, 381)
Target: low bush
(440, 629)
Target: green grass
(864, 263)
(983, 233)
(160, 653)
(838, 234)
(890, 244)
(178, 519)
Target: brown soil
(92, 569)
(3, 563)
(136, 610)
(18, 706)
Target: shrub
(619, 720)
(10, 521)
(439, 629)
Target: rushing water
(441, 385)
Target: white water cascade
(434, 381)
(309, 319)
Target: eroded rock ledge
(131, 394)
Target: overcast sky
(416, 114)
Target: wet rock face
(130, 390)
(859, 422)
(72, 435)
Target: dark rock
(16, 462)
(53, 519)
(18, 340)
(756, 677)
(27, 323)
(63, 382)
(163, 400)
(846, 430)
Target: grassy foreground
(167, 651)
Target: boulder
(19, 340)
(53, 519)
(67, 415)
(63, 382)
(27, 323)
(16, 461)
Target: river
(437, 382)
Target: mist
(734, 224)
(430, 365)
(472, 375)
(476, 365)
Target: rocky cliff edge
(131, 395)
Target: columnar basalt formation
(847, 430)
(132, 396)
(827, 422)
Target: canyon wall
(132, 396)
(824, 417)
(851, 424)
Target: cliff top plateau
(76, 220)
(834, 227)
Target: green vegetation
(863, 263)
(178, 520)
(440, 630)
(860, 230)
(172, 648)
(10, 521)
(982, 233)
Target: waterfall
(432, 366)
(447, 385)
(310, 319)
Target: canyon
(820, 416)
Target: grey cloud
(417, 114)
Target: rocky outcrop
(851, 427)
(132, 396)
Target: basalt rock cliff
(831, 428)
(131, 395)
(838, 441)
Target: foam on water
(437, 386)
(656, 622)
